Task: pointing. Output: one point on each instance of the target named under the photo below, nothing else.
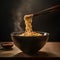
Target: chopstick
(48, 10)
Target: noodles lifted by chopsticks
(28, 21)
(28, 28)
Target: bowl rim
(12, 43)
(44, 33)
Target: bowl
(7, 45)
(29, 44)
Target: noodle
(28, 28)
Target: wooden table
(51, 49)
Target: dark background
(49, 22)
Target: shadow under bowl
(30, 44)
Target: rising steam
(19, 12)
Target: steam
(19, 12)
(17, 22)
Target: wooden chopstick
(51, 9)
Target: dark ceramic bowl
(7, 45)
(30, 44)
